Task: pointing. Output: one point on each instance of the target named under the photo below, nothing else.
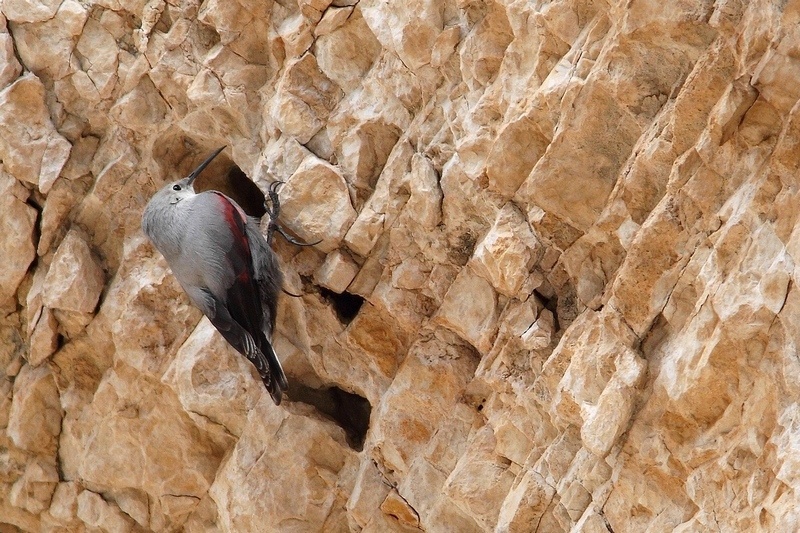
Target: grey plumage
(224, 264)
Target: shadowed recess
(345, 304)
(233, 183)
(350, 411)
(551, 304)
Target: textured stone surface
(75, 279)
(32, 149)
(34, 421)
(17, 236)
(555, 287)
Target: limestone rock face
(32, 149)
(17, 243)
(75, 279)
(554, 287)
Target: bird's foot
(274, 210)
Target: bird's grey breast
(206, 240)
(164, 224)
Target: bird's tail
(263, 357)
(257, 350)
(275, 380)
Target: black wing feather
(243, 303)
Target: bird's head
(162, 202)
(176, 191)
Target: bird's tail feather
(257, 350)
(268, 366)
(276, 370)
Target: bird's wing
(219, 239)
(267, 273)
(269, 279)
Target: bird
(225, 266)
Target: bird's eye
(176, 187)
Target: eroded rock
(75, 279)
(318, 184)
(17, 244)
(34, 422)
(559, 247)
(33, 151)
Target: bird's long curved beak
(196, 172)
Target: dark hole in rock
(350, 411)
(233, 183)
(345, 304)
(551, 304)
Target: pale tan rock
(332, 19)
(478, 462)
(385, 203)
(470, 309)
(150, 302)
(141, 107)
(421, 396)
(204, 517)
(409, 32)
(33, 151)
(20, 518)
(30, 11)
(434, 465)
(213, 381)
(5, 408)
(44, 338)
(61, 199)
(606, 420)
(380, 338)
(114, 456)
(242, 28)
(527, 500)
(150, 15)
(364, 154)
(46, 47)
(97, 45)
(34, 490)
(539, 335)
(506, 254)
(297, 35)
(306, 96)
(395, 506)
(64, 503)
(17, 244)
(98, 513)
(518, 147)
(318, 185)
(9, 65)
(444, 46)
(314, 9)
(369, 492)
(34, 422)
(573, 225)
(75, 279)
(308, 484)
(345, 46)
(135, 504)
(336, 272)
(424, 206)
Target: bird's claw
(275, 204)
(274, 212)
(274, 226)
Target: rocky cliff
(554, 289)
